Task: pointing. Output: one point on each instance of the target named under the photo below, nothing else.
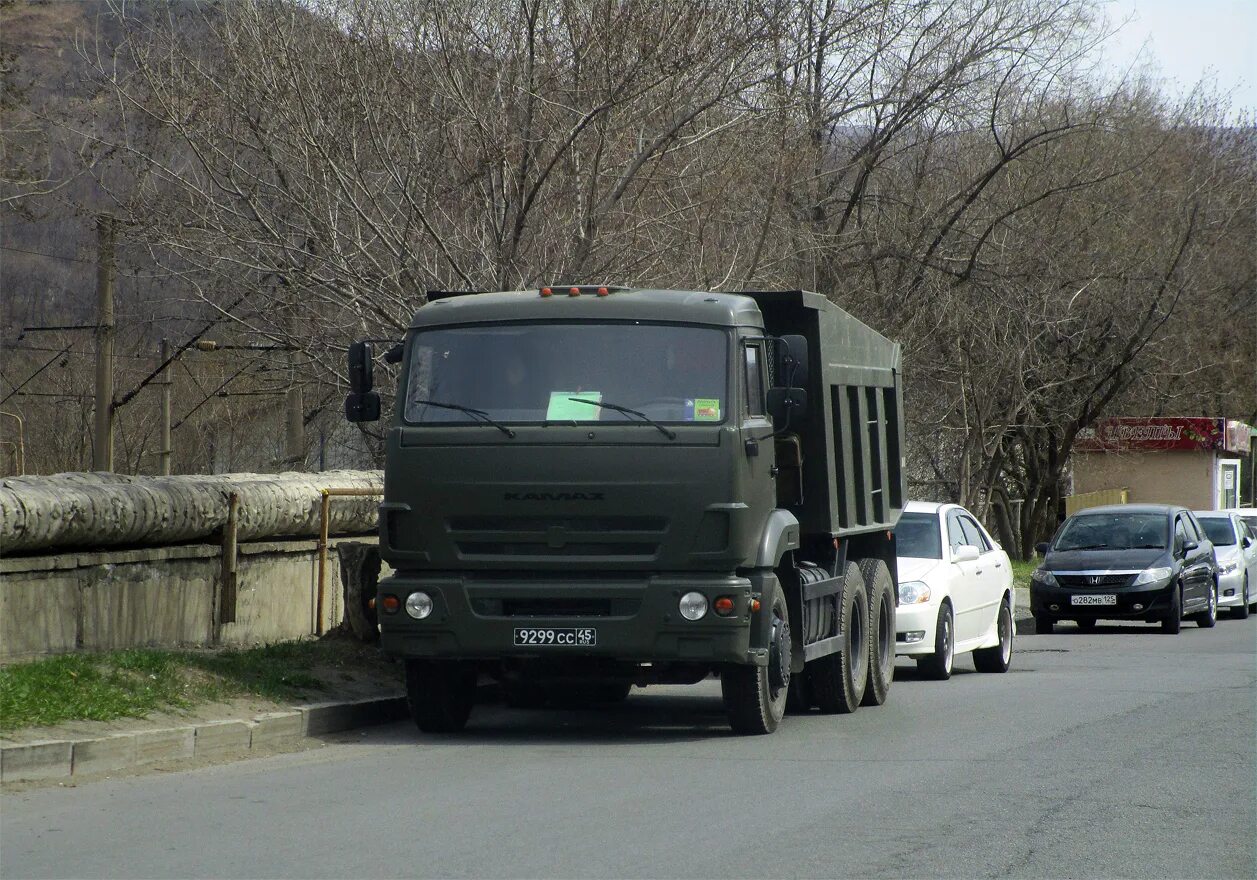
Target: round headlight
(913, 593)
(693, 606)
(418, 605)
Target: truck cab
(583, 493)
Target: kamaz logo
(552, 496)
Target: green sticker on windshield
(563, 408)
(706, 409)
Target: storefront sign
(1119, 434)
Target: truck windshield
(531, 373)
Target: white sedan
(955, 591)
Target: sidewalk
(95, 749)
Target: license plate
(1103, 599)
(563, 637)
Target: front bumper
(475, 618)
(1233, 582)
(1153, 600)
(920, 618)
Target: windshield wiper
(479, 413)
(632, 412)
(1087, 547)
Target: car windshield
(546, 373)
(1252, 523)
(917, 535)
(1218, 530)
(1114, 531)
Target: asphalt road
(1126, 753)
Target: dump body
(853, 442)
(568, 469)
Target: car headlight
(913, 593)
(1228, 568)
(1152, 575)
(1043, 577)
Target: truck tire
(838, 680)
(882, 601)
(440, 694)
(755, 696)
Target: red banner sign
(1115, 435)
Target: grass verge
(133, 683)
(1023, 570)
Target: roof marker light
(602, 291)
(573, 291)
(545, 291)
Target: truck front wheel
(755, 696)
(838, 680)
(440, 694)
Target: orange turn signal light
(755, 605)
(391, 604)
(573, 291)
(723, 606)
(545, 291)
(602, 291)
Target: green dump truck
(591, 488)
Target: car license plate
(1102, 599)
(569, 637)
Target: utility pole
(102, 438)
(167, 451)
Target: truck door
(756, 428)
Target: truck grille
(573, 536)
(556, 607)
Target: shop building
(1200, 463)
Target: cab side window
(754, 380)
(1180, 534)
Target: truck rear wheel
(882, 601)
(755, 696)
(440, 694)
(838, 680)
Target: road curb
(66, 758)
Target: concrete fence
(174, 596)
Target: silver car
(1236, 550)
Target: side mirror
(1248, 542)
(361, 358)
(787, 406)
(1041, 548)
(791, 352)
(964, 553)
(362, 404)
(1189, 545)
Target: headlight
(418, 605)
(1152, 575)
(913, 593)
(693, 606)
(1044, 577)
(1228, 568)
